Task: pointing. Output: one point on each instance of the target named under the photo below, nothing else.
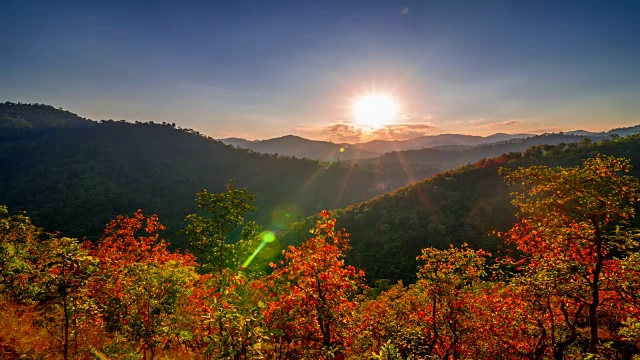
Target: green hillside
(458, 206)
(75, 179)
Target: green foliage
(208, 235)
(455, 207)
(63, 296)
(75, 179)
(150, 305)
(18, 240)
(388, 351)
(576, 261)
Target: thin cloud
(353, 133)
(344, 132)
(542, 130)
(402, 131)
(340, 132)
(511, 122)
(508, 123)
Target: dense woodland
(532, 255)
(99, 171)
(568, 289)
(73, 175)
(464, 205)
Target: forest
(107, 168)
(320, 180)
(564, 284)
(459, 206)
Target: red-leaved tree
(312, 304)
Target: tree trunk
(595, 291)
(65, 335)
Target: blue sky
(262, 68)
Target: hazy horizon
(604, 128)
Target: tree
(141, 286)
(312, 295)
(433, 318)
(46, 271)
(575, 227)
(65, 268)
(447, 280)
(18, 256)
(509, 319)
(226, 317)
(208, 235)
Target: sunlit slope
(458, 206)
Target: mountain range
(291, 145)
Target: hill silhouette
(433, 150)
(19, 115)
(300, 147)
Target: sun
(375, 110)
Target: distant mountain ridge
(623, 131)
(291, 145)
(430, 141)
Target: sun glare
(375, 110)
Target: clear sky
(260, 69)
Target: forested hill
(19, 115)
(458, 206)
(74, 179)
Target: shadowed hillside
(74, 179)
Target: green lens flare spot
(268, 236)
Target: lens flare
(266, 237)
